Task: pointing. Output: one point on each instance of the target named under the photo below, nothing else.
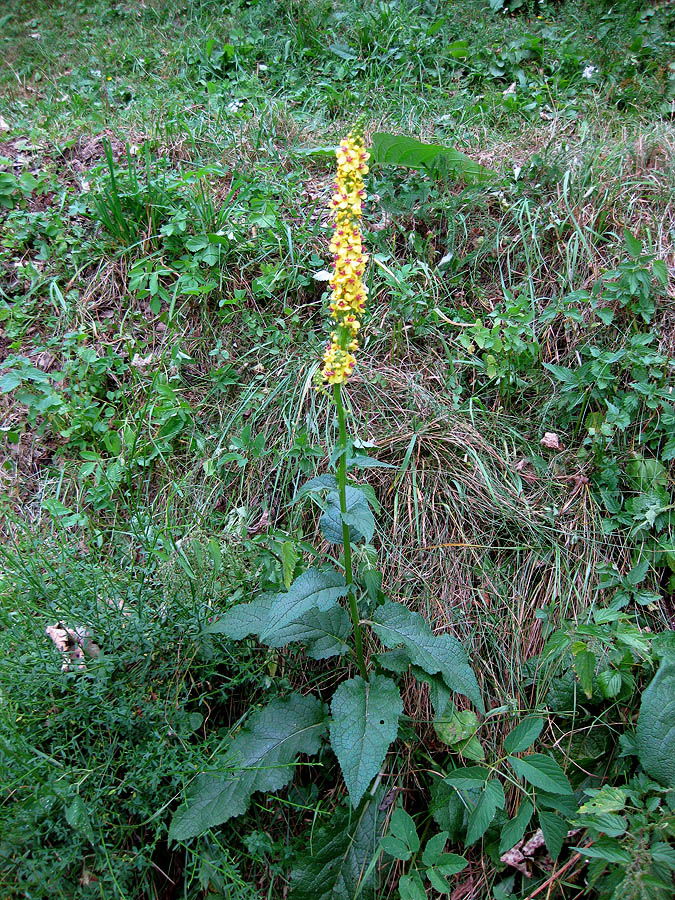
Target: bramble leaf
(260, 758)
(395, 624)
(491, 799)
(364, 723)
(542, 772)
(515, 828)
(554, 829)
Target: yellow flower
(348, 297)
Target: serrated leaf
(260, 758)
(358, 517)
(319, 588)
(491, 799)
(663, 854)
(454, 726)
(608, 849)
(515, 828)
(271, 616)
(289, 559)
(656, 726)
(523, 735)
(324, 633)
(316, 485)
(363, 725)
(396, 848)
(469, 777)
(584, 666)
(336, 865)
(400, 150)
(438, 882)
(244, 619)
(434, 848)
(410, 887)
(395, 624)
(554, 829)
(542, 772)
(606, 799)
(402, 826)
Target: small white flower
(589, 71)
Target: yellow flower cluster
(348, 297)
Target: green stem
(342, 492)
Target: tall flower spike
(348, 296)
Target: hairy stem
(342, 491)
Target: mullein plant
(323, 609)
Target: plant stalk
(342, 493)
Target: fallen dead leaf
(551, 440)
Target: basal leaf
(523, 735)
(395, 624)
(656, 726)
(542, 772)
(364, 722)
(336, 864)
(260, 758)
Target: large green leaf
(358, 517)
(364, 722)
(323, 632)
(656, 726)
(260, 758)
(401, 150)
(395, 624)
(270, 615)
(336, 865)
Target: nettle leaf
(542, 772)
(260, 758)
(656, 726)
(337, 863)
(401, 150)
(515, 828)
(491, 799)
(364, 723)
(554, 829)
(523, 735)
(358, 517)
(395, 624)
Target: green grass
(163, 195)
